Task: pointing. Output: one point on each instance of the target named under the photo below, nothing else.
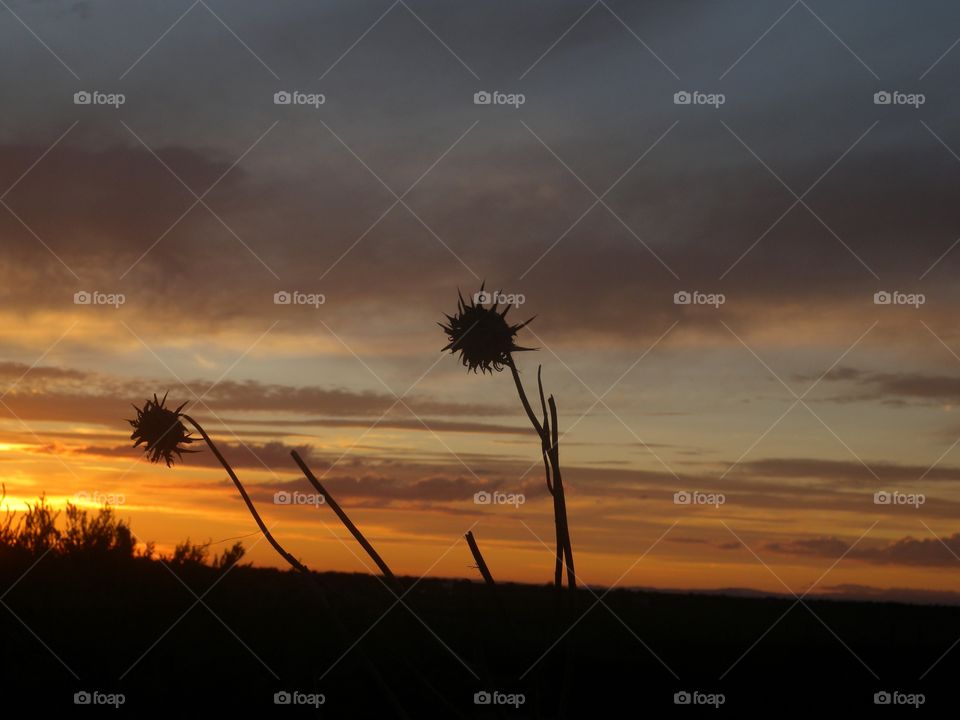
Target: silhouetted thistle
(164, 433)
(159, 429)
(482, 335)
(485, 340)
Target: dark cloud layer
(908, 551)
(500, 199)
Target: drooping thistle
(162, 433)
(481, 334)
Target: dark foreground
(136, 627)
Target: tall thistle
(486, 341)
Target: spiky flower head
(162, 431)
(481, 334)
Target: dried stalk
(355, 531)
(297, 565)
(481, 563)
(549, 444)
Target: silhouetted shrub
(231, 556)
(95, 536)
(37, 531)
(101, 534)
(187, 553)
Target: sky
(782, 199)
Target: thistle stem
(549, 442)
(296, 564)
(523, 397)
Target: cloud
(49, 393)
(892, 386)
(500, 199)
(840, 473)
(907, 551)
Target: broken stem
(481, 563)
(355, 531)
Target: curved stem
(523, 397)
(297, 565)
(246, 498)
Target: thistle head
(160, 430)
(481, 334)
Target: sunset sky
(597, 199)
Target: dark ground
(110, 623)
